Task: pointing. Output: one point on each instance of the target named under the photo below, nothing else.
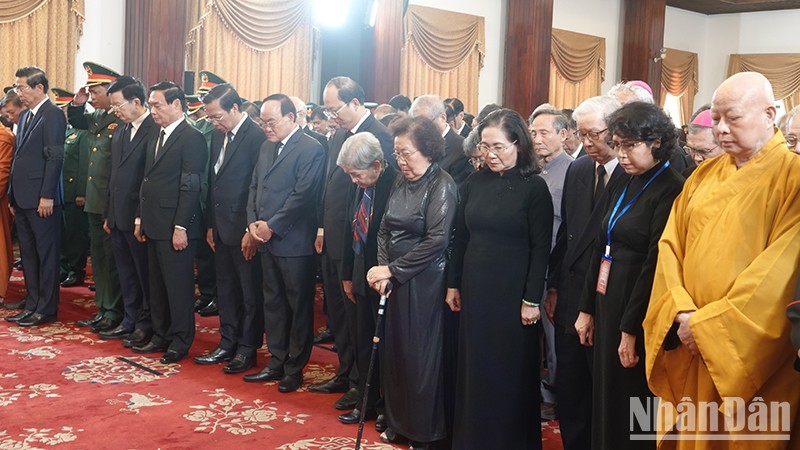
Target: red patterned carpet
(61, 386)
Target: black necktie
(277, 152)
(601, 184)
(160, 143)
(126, 135)
(28, 121)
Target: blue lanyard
(612, 221)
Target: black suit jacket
(321, 138)
(465, 131)
(580, 224)
(127, 170)
(170, 193)
(337, 184)
(455, 162)
(283, 192)
(38, 158)
(226, 210)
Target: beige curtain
(260, 47)
(679, 78)
(442, 54)
(781, 69)
(42, 33)
(577, 67)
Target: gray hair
(633, 92)
(471, 142)
(360, 151)
(428, 106)
(602, 105)
(560, 121)
(542, 107)
(789, 118)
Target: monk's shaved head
(743, 114)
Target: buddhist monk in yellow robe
(716, 327)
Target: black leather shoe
(380, 423)
(348, 401)
(202, 302)
(335, 385)
(171, 357)
(354, 416)
(325, 336)
(217, 356)
(105, 324)
(19, 316)
(240, 363)
(93, 288)
(211, 310)
(137, 338)
(149, 347)
(18, 263)
(290, 383)
(72, 281)
(119, 332)
(90, 321)
(265, 375)
(36, 319)
(16, 305)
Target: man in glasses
(791, 130)
(700, 142)
(100, 125)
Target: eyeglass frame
(19, 89)
(794, 138)
(399, 156)
(703, 152)
(115, 108)
(592, 135)
(620, 147)
(334, 114)
(496, 150)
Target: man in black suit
(573, 145)
(36, 195)
(281, 208)
(169, 220)
(587, 183)
(235, 145)
(455, 162)
(458, 124)
(344, 104)
(302, 121)
(128, 150)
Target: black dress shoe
(265, 375)
(18, 263)
(354, 416)
(217, 356)
(290, 383)
(105, 324)
(90, 321)
(139, 337)
(325, 336)
(348, 401)
(335, 385)
(36, 319)
(16, 305)
(93, 288)
(240, 363)
(380, 423)
(149, 347)
(119, 332)
(72, 281)
(19, 316)
(202, 302)
(171, 357)
(211, 310)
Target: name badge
(602, 276)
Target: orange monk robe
(729, 252)
(7, 140)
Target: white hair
(430, 104)
(360, 151)
(630, 93)
(602, 105)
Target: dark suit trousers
(108, 295)
(239, 298)
(366, 318)
(574, 390)
(131, 258)
(172, 294)
(74, 240)
(206, 272)
(288, 285)
(341, 318)
(39, 244)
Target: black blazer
(284, 194)
(170, 193)
(465, 131)
(455, 162)
(127, 171)
(321, 138)
(38, 158)
(226, 210)
(335, 200)
(580, 224)
(354, 268)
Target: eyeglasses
(404, 156)
(702, 152)
(496, 149)
(20, 88)
(624, 148)
(592, 135)
(118, 107)
(791, 140)
(333, 114)
(268, 124)
(216, 118)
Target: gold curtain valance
(444, 39)
(14, 10)
(781, 69)
(679, 78)
(577, 55)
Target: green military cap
(370, 105)
(63, 97)
(193, 103)
(207, 81)
(7, 88)
(98, 74)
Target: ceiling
(733, 6)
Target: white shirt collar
(610, 166)
(36, 109)
(446, 130)
(354, 130)
(463, 124)
(577, 150)
(239, 125)
(138, 122)
(171, 127)
(286, 139)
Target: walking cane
(375, 339)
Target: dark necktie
(362, 219)
(126, 135)
(160, 143)
(277, 152)
(28, 121)
(601, 184)
(225, 145)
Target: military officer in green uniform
(75, 225)
(100, 125)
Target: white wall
(103, 37)
(490, 85)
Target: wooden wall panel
(526, 79)
(643, 37)
(155, 37)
